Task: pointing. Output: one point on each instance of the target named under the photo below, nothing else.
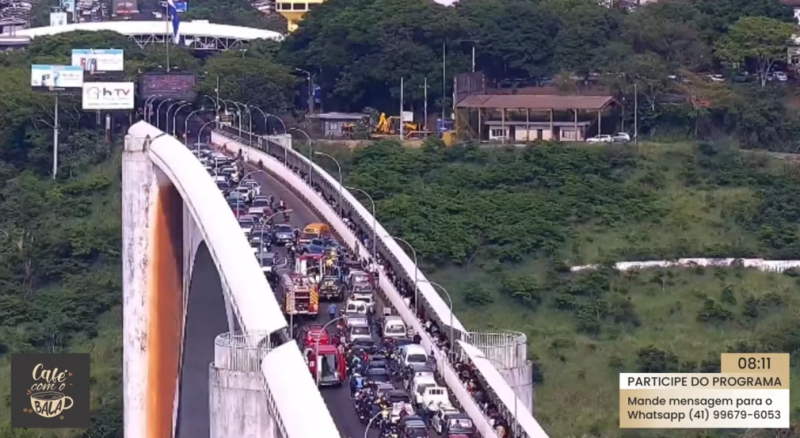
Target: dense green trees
(358, 51)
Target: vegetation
(663, 51)
(498, 227)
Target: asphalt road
(337, 399)
(206, 319)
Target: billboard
(58, 18)
(108, 96)
(174, 86)
(124, 7)
(98, 61)
(69, 6)
(180, 6)
(56, 78)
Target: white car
(603, 138)
(781, 76)
(716, 78)
(622, 137)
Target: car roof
(414, 349)
(393, 318)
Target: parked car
(603, 138)
(622, 137)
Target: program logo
(50, 390)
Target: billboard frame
(108, 96)
(103, 60)
(188, 93)
(68, 73)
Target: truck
(326, 364)
(299, 295)
(309, 265)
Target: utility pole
(473, 57)
(635, 114)
(401, 109)
(425, 105)
(55, 138)
(166, 37)
(444, 76)
(216, 103)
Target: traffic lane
(338, 400)
(206, 318)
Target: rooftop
(537, 102)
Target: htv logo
(116, 92)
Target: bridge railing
(267, 152)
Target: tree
(760, 40)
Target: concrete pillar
(137, 203)
(238, 405)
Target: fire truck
(299, 295)
(310, 265)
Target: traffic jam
(328, 294)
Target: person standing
(332, 311)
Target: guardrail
(305, 192)
(267, 151)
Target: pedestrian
(332, 311)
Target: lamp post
(201, 131)
(374, 222)
(148, 104)
(369, 423)
(316, 348)
(249, 123)
(158, 111)
(452, 317)
(340, 174)
(238, 113)
(186, 123)
(169, 108)
(416, 270)
(310, 151)
(175, 115)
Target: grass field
(579, 395)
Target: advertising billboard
(180, 6)
(69, 6)
(98, 61)
(58, 18)
(108, 96)
(174, 86)
(56, 78)
(124, 7)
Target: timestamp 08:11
(754, 363)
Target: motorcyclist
(281, 205)
(271, 201)
(356, 384)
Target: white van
(394, 327)
(414, 356)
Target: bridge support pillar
(238, 405)
(138, 180)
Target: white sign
(93, 61)
(108, 96)
(56, 77)
(58, 18)
(69, 6)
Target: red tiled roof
(536, 102)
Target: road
(206, 319)
(337, 399)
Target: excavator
(391, 126)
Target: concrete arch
(158, 171)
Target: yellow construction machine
(391, 126)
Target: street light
(148, 103)
(310, 151)
(169, 108)
(450, 299)
(340, 174)
(369, 423)
(316, 347)
(374, 222)
(201, 131)
(239, 107)
(186, 123)
(175, 115)
(416, 270)
(158, 111)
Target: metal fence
(241, 351)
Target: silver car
(284, 233)
(359, 332)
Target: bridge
(207, 351)
(197, 34)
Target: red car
(314, 334)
